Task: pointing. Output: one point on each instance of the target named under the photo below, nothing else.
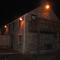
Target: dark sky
(57, 7)
(11, 9)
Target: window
(20, 42)
(33, 17)
(47, 40)
(33, 23)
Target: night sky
(11, 9)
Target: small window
(33, 17)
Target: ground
(47, 56)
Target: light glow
(5, 26)
(22, 25)
(47, 6)
(20, 18)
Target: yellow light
(20, 18)
(47, 6)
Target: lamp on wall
(46, 9)
(47, 6)
(20, 18)
(21, 23)
(6, 28)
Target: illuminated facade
(36, 30)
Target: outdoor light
(47, 6)
(20, 18)
(5, 26)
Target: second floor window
(33, 17)
(33, 23)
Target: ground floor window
(48, 40)
(20, 41)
